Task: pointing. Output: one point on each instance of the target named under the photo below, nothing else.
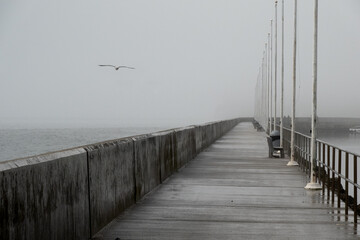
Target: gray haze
(196, 61)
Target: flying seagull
(116, 67)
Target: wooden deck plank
(233, 191)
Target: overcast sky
(196, 61)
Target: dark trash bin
(274, 145)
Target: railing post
(323, 166)
(300, 144)
(328, 171)
(309, 157)
(333, 176)
(346, 185)
(355, 189)
(339, 178)
(303, 154)
(318, 163)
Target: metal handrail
(324, 154)
(340, 175)
(322, 141)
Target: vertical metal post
(292, 161)
(333, 176)
(319, 163)
(275, 68)
(302, 151)
(308, 156)
(313, 185)
(266, 89)
(262, 90)
(323, 166)
(346, 185)
(328, 171)
(305, 154)
(339, 178)
(269, 84)
(282, 79)
(355, 189)
(299, 142)
(271, 76)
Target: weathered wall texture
(147, 164)
(185, 146)
(74, 193)
(45, 197)
(111, 180)
(165, 143)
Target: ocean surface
(19, 143)
(349, 142)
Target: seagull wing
(107, 66)
(126, 67)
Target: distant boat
(355, 129)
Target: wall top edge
(42, 158)
(45, 157)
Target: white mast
(282, 78)
(275, 66)
(313, 185)
(292, 161)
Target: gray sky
(196, 61)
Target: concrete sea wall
(72, 194)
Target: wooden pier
(232, 190)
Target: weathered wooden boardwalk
(233, 191)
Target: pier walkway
(233, 191)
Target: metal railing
(331, 169)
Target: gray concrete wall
(74, 193)
(45, 197)
(165, 144)
(111, 180)
(185, 146)
(147, 164)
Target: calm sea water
(18, 143)
(346, 141)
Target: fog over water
(196, 61)
(39, 141)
